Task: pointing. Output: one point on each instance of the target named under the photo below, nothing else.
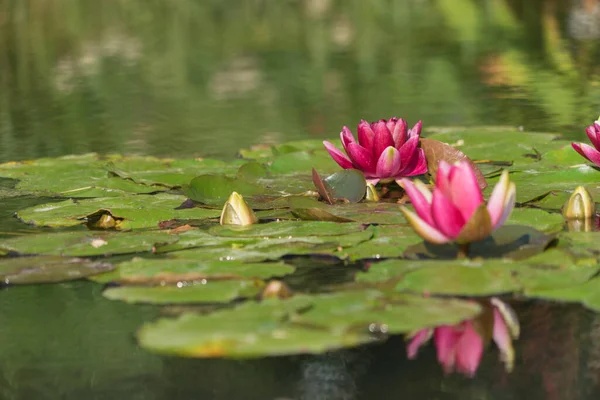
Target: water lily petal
(416, 130)
(361, 158)
(419, 339)
(408, 149)
(373, 181)
(399, 133)
(365, 134)
(588, 152)
(448, 219)
(593, 132)
(465, 191)
(445, 338)
(420, 197)
(416, 166)
(442, 178)
(346, 137)
(497, 199)
(509, 204)
(423, 229)
(469, 350)
(391, 124)
(337, 155)
(388, 163)
(383, 138)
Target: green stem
(463, 251)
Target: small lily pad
(348, 184)
(83, 243)
(206, 292)
(215, 189)
(131, 212)
(44, 269)
(143, 271)
(288, 229)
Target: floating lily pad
(131, 212)
(510, 241)
(550, 270)
(287, 229)
(502, 144)
(170, 271)
(394, 313)
(309, 324)
(538, 219)
(303, 162)
(71, 176)
(216, 189)
(208, 292)
(44, 269)
(388, 241)
(84, 243)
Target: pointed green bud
(372, 194)
(236, 212)
(580, 205)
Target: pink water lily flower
(460, 347)
(385, 151)
(456, 211)
(589, 152)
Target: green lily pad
(44, 269)
(302, 324)
(538, 219)
(72, 176)
(388, 241)
(84, 243)
(169, 271)
(502, 144)
(303, 162)
(509, 241)
(550, 270)
(207, 292)
(287, 229)
(393, 313)
(131, 212)
(216, 189)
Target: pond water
(205, 78)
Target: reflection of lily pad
(140, 211)
(83, 243)
(509, 241)
(42, 269)
(208, 292)
(170, 271)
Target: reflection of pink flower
(589, 152)
(460, 347)
(385, 150)
(440, 217)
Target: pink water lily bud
(587, 151)
(460, 347)
(385, 150)
(456, 211)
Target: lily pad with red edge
(348, 185)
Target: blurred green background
(206, 77)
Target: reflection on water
(66, 341)
(204, 77)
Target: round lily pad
(45, 269)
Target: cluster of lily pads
(262, 256)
